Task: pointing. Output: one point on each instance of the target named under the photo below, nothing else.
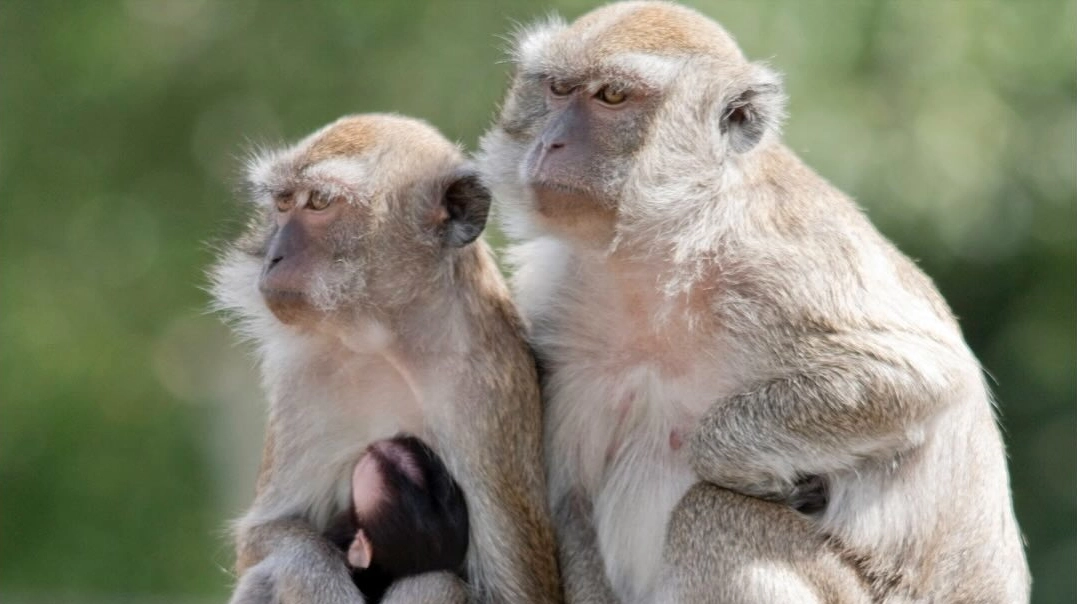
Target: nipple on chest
(621, 411)
(675, 439)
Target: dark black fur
(420, 529)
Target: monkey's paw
(269, 582)
(810, 495)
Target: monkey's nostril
(273, 261)
(556, 145)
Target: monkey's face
(565, 144)
(351, 218)
(578, 152)
(605, 114)
(312, 239)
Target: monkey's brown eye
(318, 200)
(611, 96)
(284, 203)
(561, 88)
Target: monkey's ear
(755, 106)
(361, 551)
(466, 204)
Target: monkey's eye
(611, 96)
(318, 200)
(284, 202)
(561, 88)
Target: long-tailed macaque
(720, 326)
(375, 309)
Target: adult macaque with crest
(752, 396)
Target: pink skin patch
(368, 485)
(675, 440)
(368, 490)
(399, 456)
(361, 552)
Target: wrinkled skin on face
(622, 108)
(336, 208)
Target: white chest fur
(626, 385)
(348, 400)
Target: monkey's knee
(427, 588)
(256, 586)
(724, 547)
(755, 582)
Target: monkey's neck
(438, 323)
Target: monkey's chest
(646, 472)
(331, 425)
(625, 390)
(625, 428)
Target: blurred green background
(131, 423)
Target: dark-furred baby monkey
(408, 516)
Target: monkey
(375, 308)
(408, 516)
(726, 339)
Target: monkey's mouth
(547, 187)
(554, 197)
(558, 201)
(287, 305)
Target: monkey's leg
(290, 563)
(855, 397)
(428, 588)
(582, 571)
(726, 548)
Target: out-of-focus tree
(130, 423)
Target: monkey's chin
(290, 307)
(574, 211)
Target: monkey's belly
(631, 511)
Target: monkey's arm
(284, 559)
(287, 561)
(842, 398)
(582, 572)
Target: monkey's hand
(295, 565)
(861, 397)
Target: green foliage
(130, 424)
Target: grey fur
(740, 292)
(403, 324)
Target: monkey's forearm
(256, 542)
(288, 560)
(829, 417)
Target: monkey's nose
(273, 261)
(552, 141)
